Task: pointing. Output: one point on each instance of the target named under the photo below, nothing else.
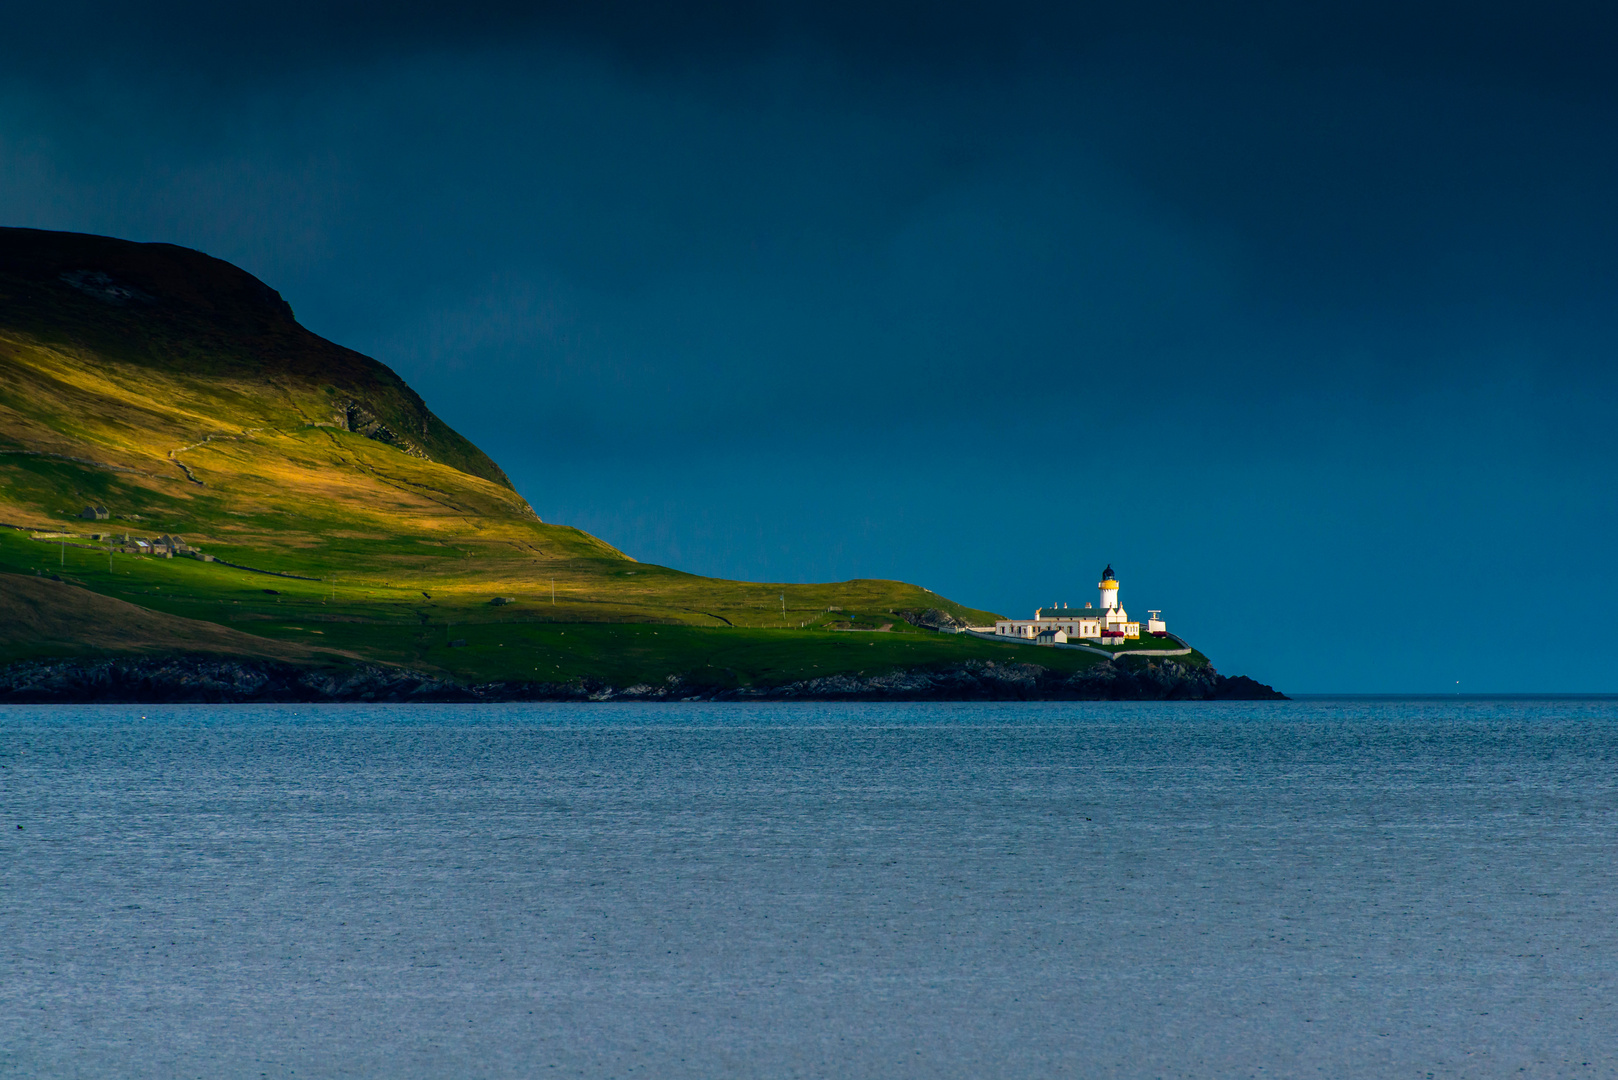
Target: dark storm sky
(1302, 316)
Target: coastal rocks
(1241, 688)
(178, 680)
(212, 680)
(979, 680)
(971, 681)
(1134, 679)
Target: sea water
(1322, 889)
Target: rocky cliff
(209, 679)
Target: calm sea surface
(1322, 889)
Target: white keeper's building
(1109, 624)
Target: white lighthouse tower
(1109, 588)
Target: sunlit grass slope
(45, 618)
(178, 392)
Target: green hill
(343, 520)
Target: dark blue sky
(1303, 319)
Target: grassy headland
(345, 523)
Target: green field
(478, 642)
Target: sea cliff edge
(204, 679)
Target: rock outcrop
(932, 619)
(362, 421)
